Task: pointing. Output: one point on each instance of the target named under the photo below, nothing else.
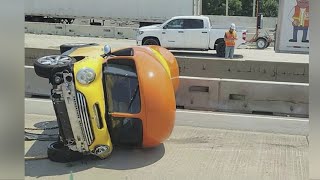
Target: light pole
(227, 7)
(254, 8)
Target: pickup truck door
(196, 34)
(173, 34)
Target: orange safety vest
(228, 40)
(296, 15)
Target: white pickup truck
(189, 33)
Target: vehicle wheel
(221, 49)
(70, 21)
(68, 46)
(57, 152)
(268, 44)
(261, 43)
(44, 66)
(151, 41)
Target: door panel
(173, 34)
(196, 35)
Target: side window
(193, 24)
(175, 24)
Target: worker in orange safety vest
(229, 38)
(300, 20)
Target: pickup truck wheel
(151, 41)
(44, 66)
(221, 49)
(261, 43)
(268, 44)
(68, 46)
(57, 152)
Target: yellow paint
(162, 61)
(90, 51)
(94, 94)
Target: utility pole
(227, 7)
(200, 7)
(257, 12)
(254, 8)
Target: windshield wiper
(133, 96)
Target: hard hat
(233, 26)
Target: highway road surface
(202, 146)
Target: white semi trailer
(292, 33)
(143, 11)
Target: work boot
(292, 40)
(305, 41)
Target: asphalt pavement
(190, 153)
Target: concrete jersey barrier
(228, 95)
(243, 96)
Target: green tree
(270, 8)
(247, 7)
(218, 7)
(235, 8)
(239, 7)
(214, 7)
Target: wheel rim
(54, 60)
(261, 44)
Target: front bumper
(72, 115)
(76, 128)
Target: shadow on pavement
(120, 159)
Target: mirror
(107, 50)
(165, 27)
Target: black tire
(268, 44)
(68, 46)
(261, 43)
(46, 71)
(70, 21)
(221, 49)
(151, 41)
(57, 152)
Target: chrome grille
(82, 112)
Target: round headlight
(86, 75)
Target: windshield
(122, 86)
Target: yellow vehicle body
(94, 95)
(89, 114)
(93, 92)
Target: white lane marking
(209, 113)
(37, 100)
(242, 115)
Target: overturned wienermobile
(104, 99)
